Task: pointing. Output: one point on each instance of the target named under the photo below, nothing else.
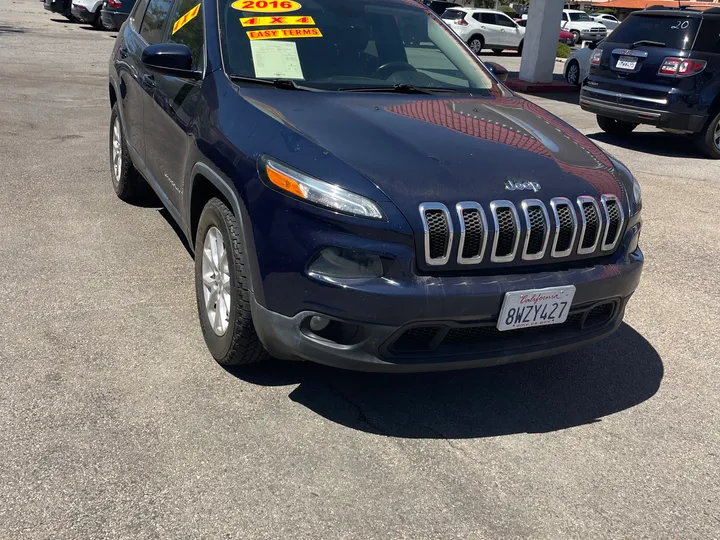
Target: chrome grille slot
(507, 231)
(438, 232)
(473, 232)
(538, 229)
(615, 219)
(565, 226)
(591, 225)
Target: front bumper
(465, 339)
(57, 6)
(593, 36)
(628, 113)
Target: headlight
(316, 191)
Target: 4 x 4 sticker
(285, 33)
(276, 21)
(266, 6)
(189, 16)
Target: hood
(446, 149)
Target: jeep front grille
(438, 231)
(526, 233)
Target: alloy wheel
(716, 136)
(573, 73)
(475, 46)
(216, 281)
(117, 150)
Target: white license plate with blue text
(535, 307)
(626, 62)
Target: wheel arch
(205, 184)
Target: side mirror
(171, 58)
(496, 69)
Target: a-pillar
(541, 40)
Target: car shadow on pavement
(5, 29)
(556, 393)
(656, 143)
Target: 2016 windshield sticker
(285, 33)
(189, 16)
(276, 21)
(266, 6)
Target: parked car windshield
(674, 32)
(580, 17)
(345, 45)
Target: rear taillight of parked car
(681, 67)
(595, 58)
(115, 4)
(462, 22)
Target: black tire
(128, 184)
(497, 51)
(98, 22)
(476, 44)
(615, 127)
(576, 37)
(239, 345)
(572, 73)
(520, 48)
(708, 140)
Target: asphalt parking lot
(115, 422)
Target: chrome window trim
(494, 206)
(424, 207)
(630, 52)
(526, 205)
(580, 201)
(554, 203)
(470, 205)
(660, 101)
(604, 200)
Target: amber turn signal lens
(284, 182)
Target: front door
(169, 124)
(509, 33)
(489, 28)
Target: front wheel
(576, 37)
(222, 288)
(708, 140)
(126, 181)
(615, 127)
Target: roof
(476, 10)
(642, 4)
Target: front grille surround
(528, 232)
(614, 219)
(587, 227)
(500, 210)
(465, 211)
(427, 212)
(528, 206)
(562, 205)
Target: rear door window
(708, 38)
(487, 18)
(673, 32)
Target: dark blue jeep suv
(360, 201)
(660, 67)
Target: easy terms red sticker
(266, 6)
(285, 33)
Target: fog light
(318, 324)
(346, 263)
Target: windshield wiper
(647, 42)
(285, 84)
(399, 88)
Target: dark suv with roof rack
(659, 67)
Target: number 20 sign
(266, 6)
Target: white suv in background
(485, 29)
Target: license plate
(535, 307)
(626, 62)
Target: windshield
(580, 17)
(674, 32)
(345, 44)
